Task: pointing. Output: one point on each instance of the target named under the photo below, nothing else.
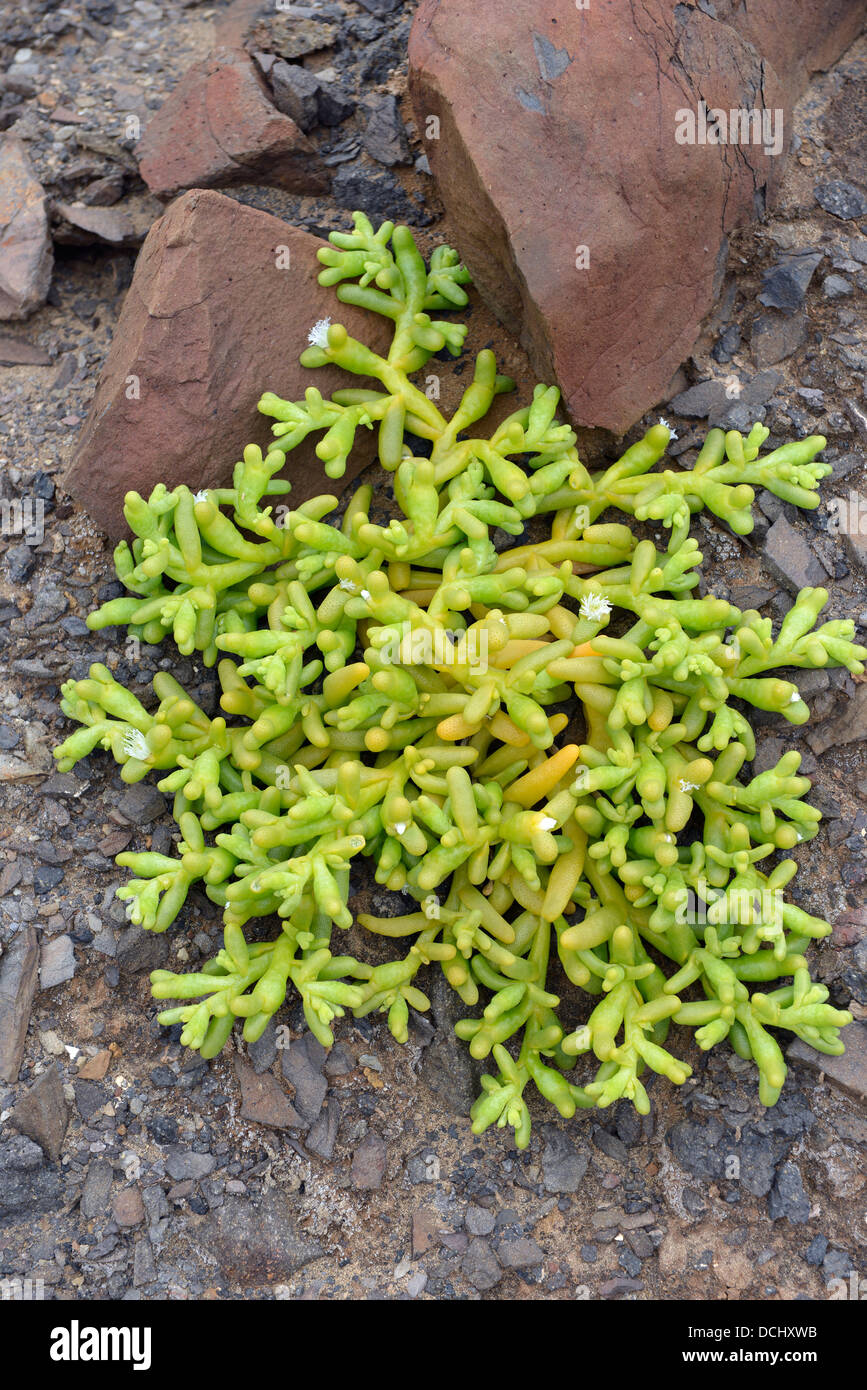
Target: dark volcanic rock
(255, 1245)
(27, 1185)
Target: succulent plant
(403, 693)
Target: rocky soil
(131, 1169)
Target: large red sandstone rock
(210, 321)
(26, 259)
(218, 128)
(557, 129)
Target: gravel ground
(159, 1176)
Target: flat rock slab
(263, 1100)
(219, 309)
(27, 1185)
(42, 1113)
(572, 151)
(218, 127)
(850, 727)
(26, 258)
(256, 1245)
(849, 1072)
(18, 977)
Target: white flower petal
(318, 335)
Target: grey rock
(263, 1051)
(756, 1154)
(385, 138)
(368, 1164)
(296, 93)
(302, 1064)
(816, 1251)
(142, 803)
(835, 287)
(417, 1283)
(339, 1062)
(479, 1221)
(141, 950)
(698, 401)
(849, 727)
(698, 1147)
(96, 1190)
(790, 559)
(727, 344)
(521, 1253)
(840, 198)
(480, 1266)
(334, 104)
(90, 1097)
(787, 1197)
(18, 975)
(610, 1145)
(563, 1167)
(155, 1203)
(629, 1261)
(56, 962)
(768, 754)
(27, 1186)
(381, 7)
(42, 1113)
(322, 1135)
(184, 1163)
(837, 1264)
(20, 563)
(447, 1068)
(257, 1245)
(144, 1269)
(785, 285)
(776, 336)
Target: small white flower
(688, 786)
(400, 827)
(349, 586)
(594, 607)
(201, 495)
(547, 823)
(672, 432)
(318, 335)
(135, 745)
(365, 594)
(794, 698)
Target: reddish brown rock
(559, 137)
(128, 1208)
(218, 311)
(218, 128)
(263, 1100)
(26, 259)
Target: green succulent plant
(397, 692)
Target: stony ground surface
(274, 1172)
